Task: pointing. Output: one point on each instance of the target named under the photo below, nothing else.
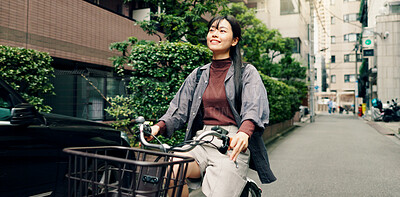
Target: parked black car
(31, 143)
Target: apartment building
(338, 33)
(381, 22)
(291, 18)
(388, 51)
(77, 34)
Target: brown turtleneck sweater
(216, 106)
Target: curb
(397, 135)
(278, 135)
(290, 129)
(381, 129)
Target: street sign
(368, 42)
(368, 52)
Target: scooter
(392, 113)
(377, 110)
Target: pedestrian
(334, 105)
(229, 94)
(330, 104)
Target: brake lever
(220, 130)
(225, 139)
(146, 129)
(225, 144)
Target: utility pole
(310, 60)
(356, 76)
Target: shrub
(158, 70)
(284, 100)
(28, 71)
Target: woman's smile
(215, 41)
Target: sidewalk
(386, 128)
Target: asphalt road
(337, 155)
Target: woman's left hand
(239, 143)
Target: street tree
(180, 19)
(267, 50)
(28, 71)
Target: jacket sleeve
(178, 112)
(255, 106)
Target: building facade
(388, 52)
(345, 55)
(292, 20)
(77, 34)
(338, 57)
(381, 26)
(277, 14)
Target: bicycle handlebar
(217, 131)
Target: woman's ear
(235, 41)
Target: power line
(341, 19)
(319, 18)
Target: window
(347, 58)
(78, 98)
(332, 20)
(315, 74)
(333, 39)
(350, 18)
(333, 78)
(333, 59)
(297, 44)
(350, 0)
(289, 7)
(5, 105)
(394, 7)
(351, 58)
(352, 37)
(349, 78)
(332, 2)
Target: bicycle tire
(251, 190)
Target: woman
(228, 94)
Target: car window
(5, 105)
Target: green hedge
(158, 70)
(28, 71)
(284, 100)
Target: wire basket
(122, 171)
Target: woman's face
(220, 39)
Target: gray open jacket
(185, 107)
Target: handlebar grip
(226, 141)
(146, 129)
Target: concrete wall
(275, 130)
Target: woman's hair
(234, 51)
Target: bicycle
(139, 172)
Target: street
(337, 155)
